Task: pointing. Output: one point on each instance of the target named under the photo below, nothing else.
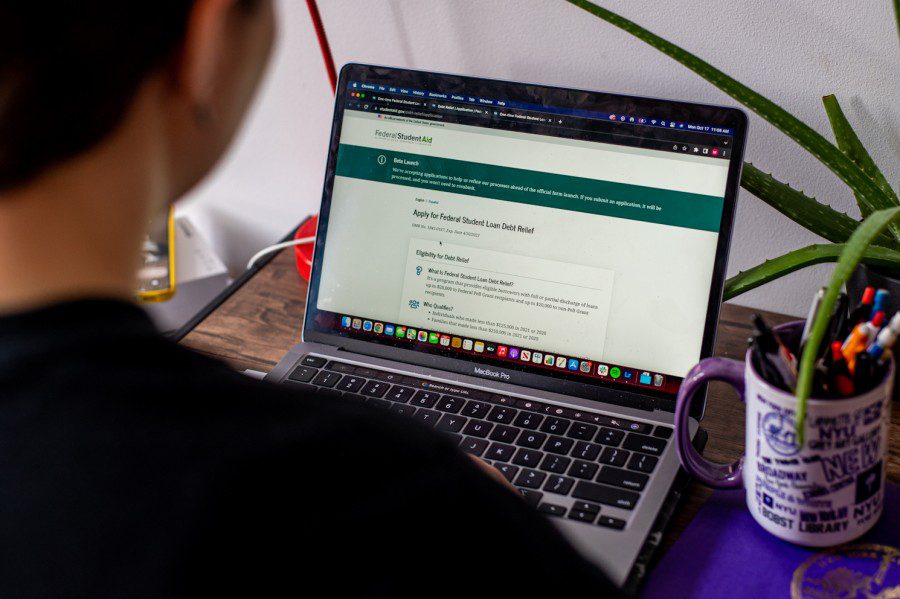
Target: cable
(323, 42)
(276, 247)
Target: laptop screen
(503, 228)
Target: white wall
(794, 52)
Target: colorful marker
(880, 303)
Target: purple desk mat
(725, 553)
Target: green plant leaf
(795, 260)
(850, 144)
(897, 14)
(852, 253)
(809, 213)
(790, 125)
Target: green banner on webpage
(580, 194)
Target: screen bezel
(664, 109)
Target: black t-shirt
(132, 467)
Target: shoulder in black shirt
(132, 467)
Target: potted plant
(879, 263)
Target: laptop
(532, 271)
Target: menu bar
(643, 120)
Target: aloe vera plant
(849, 160)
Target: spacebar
(608, 495)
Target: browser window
(453, 228)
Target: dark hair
(70, 70)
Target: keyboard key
(427, 416)
(531, 479)
(583, 431)
(583, 516)
(552, 509)
(608, 436)
(502, 415)
(584, 470)
(476, 409)
(451, 423)
(500, 452)
(663, 432)
(326, 379)
(504, 434)
(355, 397)
(625, 425)
(555, 426)
(328, 393)
(451, 404)
(313, 361)
(531, 439)
(559, 445)
(607, 495)
(642, 462)
(400, 394)
(559, 484)
(528, 457)
(473, 445)
(584, 506)
(375, 388)
(340, 367)
(613, 456)
(531, 496)
(555, 463)
(478, 428)
(507, 470)
(455, 437)
(610, 522)
(302, 374)
(403, 409)
(622, 478)
(528, 420)
(586, 451)
(350, 383)
(645, 444)
(425, 399)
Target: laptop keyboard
(548, 452)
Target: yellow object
(162, 295)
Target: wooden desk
(255, 327)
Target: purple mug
(827, 491)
